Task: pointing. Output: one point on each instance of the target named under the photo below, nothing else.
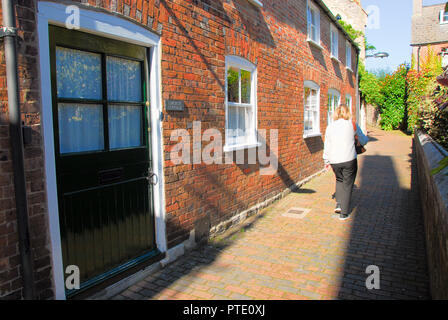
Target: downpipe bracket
(8, 32)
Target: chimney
(417, 8)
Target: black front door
(102, 153)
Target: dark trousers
(345, 178)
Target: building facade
(157, 123)
(352, 12)
(429, 31)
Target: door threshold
(119, 282)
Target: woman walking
(340, 153)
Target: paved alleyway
(319, 256)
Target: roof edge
(332, 17)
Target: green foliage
(442, 165)
(370, 86)
(369, 47)
(352, 32)
(433, 117)
(394, 105)
(382, 73)
(355, 34)
(422, 85)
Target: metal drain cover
(298, 213)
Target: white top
(339, 143)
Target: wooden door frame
(101, 23)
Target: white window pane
(78, 74)
(80, 127)
(124, 80)
(245, 86)
(308, 122)
(240, 125)
(232, 125)
(241, 128)
(233, 85)
(125, 126)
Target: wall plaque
(174, 105)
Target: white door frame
(109, 26)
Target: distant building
(429, 30)
(351, 12)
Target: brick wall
(373, 116)
(424, 50)
(276, 43)
(10, 269)
(196, 36)
(434, 199)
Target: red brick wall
(275, 42)
(10, 269)
(424, 50)
(196, 36)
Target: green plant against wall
(422, 87)
(393, 108)
(370, 86)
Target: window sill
(312, 135)
(349, 69)
(334, 58)
(314, 43)
(241, 146)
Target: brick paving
(272, 256)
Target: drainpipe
(418, 59)
(9, 32)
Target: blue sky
(394, 33)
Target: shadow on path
(387, 231)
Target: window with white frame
(311, 109)
(443, 16)
(348, 102)
(241, 103)
(348, 55)
(313, 22)
(334, 42)
(334, 99)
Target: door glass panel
(124, 80)
(80, 127)
(78, 74)
(125, 126)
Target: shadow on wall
(318, 56)
(314, 144)
(337, 68)
(387, 232)
(212, 194)
(253, 23)
(212, 6)
(190, 38)
(350, 78)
